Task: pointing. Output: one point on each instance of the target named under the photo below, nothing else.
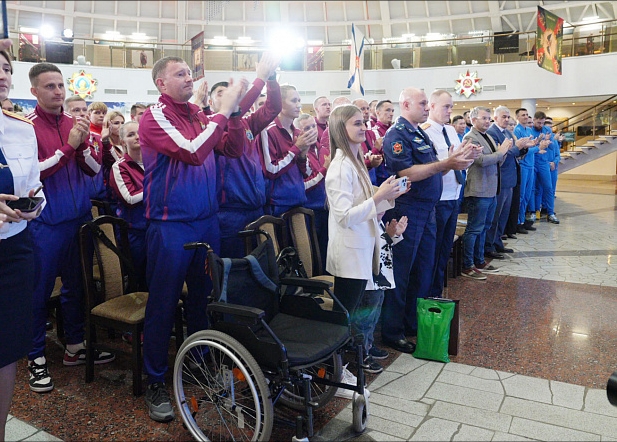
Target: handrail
(614, 97)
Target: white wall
(583, 76)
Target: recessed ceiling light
(573, 103)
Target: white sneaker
(349, 378)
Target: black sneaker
(378, 353)
(370, 366)
(159, 403)
(40, 381)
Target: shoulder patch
(397, 147)
(425, 126)
(17, 117)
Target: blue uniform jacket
(528, 159)
(404, 146)
(542, 160)
(508, 167)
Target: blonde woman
(111, 133)
(353, 254)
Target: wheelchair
(262, 348)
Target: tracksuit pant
(168, 267)
(56, 253)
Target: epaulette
(17, 116)
(425, 126)
(399, 126)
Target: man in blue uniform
(410, 153)
(527, 171)
(544, 192)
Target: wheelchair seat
(293, 331)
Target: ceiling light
(139, 35)
(245, 39)
(47, 31)
(67, 33)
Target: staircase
(590, 151)
(592, 135)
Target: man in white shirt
(444, 137)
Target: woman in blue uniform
(19, 177)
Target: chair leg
(59, 322)
(179, 328)
(90, 343)
(137, 360)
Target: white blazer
(352, 223)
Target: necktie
(6, 176)
(457, 173)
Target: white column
(530, 105)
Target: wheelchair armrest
(237, 310)
(306, 307)
(313, 286)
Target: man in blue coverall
(544, 192)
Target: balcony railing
(411, 52)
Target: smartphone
(5, 26)
(402, 182)
(26, 204)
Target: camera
(611, 389)
(402, 182)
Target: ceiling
(327, 21)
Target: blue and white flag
(356, 61)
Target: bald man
(410, 153)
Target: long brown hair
(339, 143)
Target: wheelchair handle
(196, 245)
(255, 232)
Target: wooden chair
(300, 223)
(110, 303)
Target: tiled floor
(537, 345)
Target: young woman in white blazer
(353, 255)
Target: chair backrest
(95, 238)
(301, 224)
(100, 208)
(274, 226)
(250, 281)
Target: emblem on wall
(82, 84)
(468, 84)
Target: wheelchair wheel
(220, 390)
(360, 413)
(320, 394)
